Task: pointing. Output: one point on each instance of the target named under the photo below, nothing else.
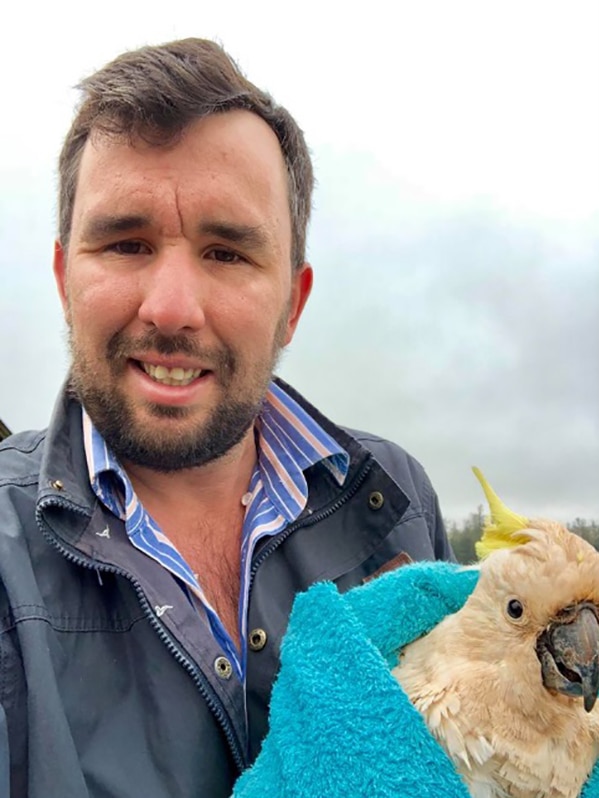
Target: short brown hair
(155, 92)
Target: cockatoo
(508, 684)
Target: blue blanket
(340, 725)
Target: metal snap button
(57, 484)
(257, 639)
(376, 500)
(223, 668)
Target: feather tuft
(503, 528)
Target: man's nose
(173, 294)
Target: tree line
(463, 537)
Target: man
(152, 540)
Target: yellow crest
(502, 528)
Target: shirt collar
(290, 442)
(106, 475)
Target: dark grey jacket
(110, 684)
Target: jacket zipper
(204, 688)
(308, 520)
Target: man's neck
(211, 486)
(201, 512)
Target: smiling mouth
(178, 377)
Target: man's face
(178, 288)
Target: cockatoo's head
(547, 582)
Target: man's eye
(129, 248)
(223, 255)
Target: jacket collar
(63, 469)
(64, 472)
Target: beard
(184, 444)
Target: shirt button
(223, 668)
(246, 498)
(257, 639)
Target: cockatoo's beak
(568, 650)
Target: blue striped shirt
(289, 442)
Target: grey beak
(569, 654)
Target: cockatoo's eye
(515, 609)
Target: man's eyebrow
(243, 234)
(105, 226)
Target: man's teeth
(176, 376)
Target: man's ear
(301, 286)
(60, 274)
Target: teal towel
(340, 725)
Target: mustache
(120, 348)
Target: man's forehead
(237, 128)
(235, 144)
(126, 186)
(238, 136)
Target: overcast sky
(455, 237)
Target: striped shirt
(289, 441)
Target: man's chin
(156, 411)
(166, 439)
(168, 454)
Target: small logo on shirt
(161, 610)
(105, 533)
